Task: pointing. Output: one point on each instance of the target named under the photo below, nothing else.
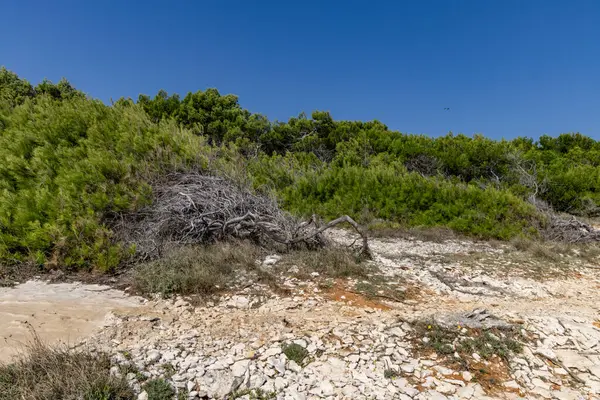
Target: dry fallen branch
(194, 208)
(557, 362)
(570, 230)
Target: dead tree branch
(194, 208)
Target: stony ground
(376, 339)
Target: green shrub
(391, 193)
(159, 389)
(67, 165)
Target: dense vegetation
(68, 164)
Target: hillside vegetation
(69, 165)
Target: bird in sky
(446, 108)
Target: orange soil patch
(597, 324)
(340, 293)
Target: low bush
(159, 389)
(391, 193)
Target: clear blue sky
(504, 67)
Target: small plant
(295, 352)
(390, 373)
(159, 389)
(367, 289)
(128, 368)
(327, 284)
(169, 369)
(378, 287)
(182, 395)
(488, 344)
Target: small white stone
(143, 396)
(301, 342)
(293, 366)
(273, 351)
(153, 356)
(190, 386)
(595, 370)
(456, 382)
(540, 383)
(408, 368)
(327, 388)
(511, 385)
(280, 383)
(466, 392)
(435, 395)
(467, 376)
(443, 370)
(239, 368)
(353, 358)
(180, 303)
(446, 388)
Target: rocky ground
(381, 338)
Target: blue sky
(505, 68)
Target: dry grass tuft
(556, 251)
(431, 234)
(332, 262)
(50, 373)
(195, 270)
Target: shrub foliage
(69, 163)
